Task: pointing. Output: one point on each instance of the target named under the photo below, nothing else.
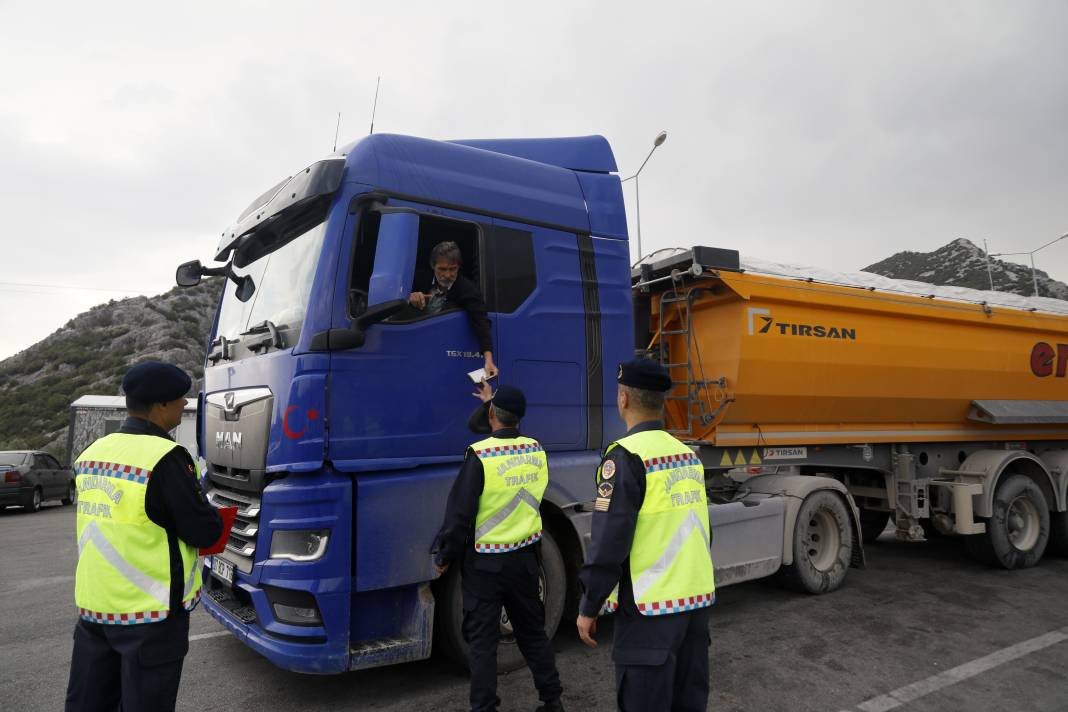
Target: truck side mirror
(189, 274)
(398, 241)
(246, 287)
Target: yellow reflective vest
(515, 475)
(670, 557)
(124, 566)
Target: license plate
(223, 569)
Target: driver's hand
(417, 300)
(490, 366)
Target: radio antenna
(336, 130)
(374, 107)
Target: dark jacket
(175, 502)
(612, 531)
(464, 294)
(638, 639)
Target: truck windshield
(283, 283)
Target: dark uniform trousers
(133, 668)
(661, 661)
(491, 581)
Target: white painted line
(916, 690)
(205, 636)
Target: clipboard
(228, 514)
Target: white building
(92, 417)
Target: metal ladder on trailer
(698, 409)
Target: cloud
(134, 95)
(833, 133)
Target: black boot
(554, 706)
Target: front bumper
(246, 612)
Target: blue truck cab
(335, 418)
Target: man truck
(335, 418)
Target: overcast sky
(826, 133)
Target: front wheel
(72, 494)
(1017, 534)
(823, 545)
(448, 619)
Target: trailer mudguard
(989, 465)
(795, 488)
(1056, 462)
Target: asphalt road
(922, 629)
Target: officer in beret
(649, 559)
(493, 527)
(141, 515)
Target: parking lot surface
(922, 629)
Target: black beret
(644, 374)
(155, 382)
(507, 398)
(511, 399)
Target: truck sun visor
(317, 180)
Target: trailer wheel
(1017, 535)
(823, 545)
(448, 628)
(872, 524)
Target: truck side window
(510, 275)
(433, 229)
(363, 261)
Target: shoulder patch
(605, 489)
(608, 470)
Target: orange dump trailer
(949, 415)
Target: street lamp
(1031, 254)
(657, 142)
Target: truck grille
(241, 547)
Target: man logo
(227, 441)
(230, 399)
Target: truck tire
(822, 543)
(448, 619)
(33, 500)
(72, 494)
(1017, 535)
(872, 524)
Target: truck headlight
(299, 544)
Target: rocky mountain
(90, 353)
(963, 264)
